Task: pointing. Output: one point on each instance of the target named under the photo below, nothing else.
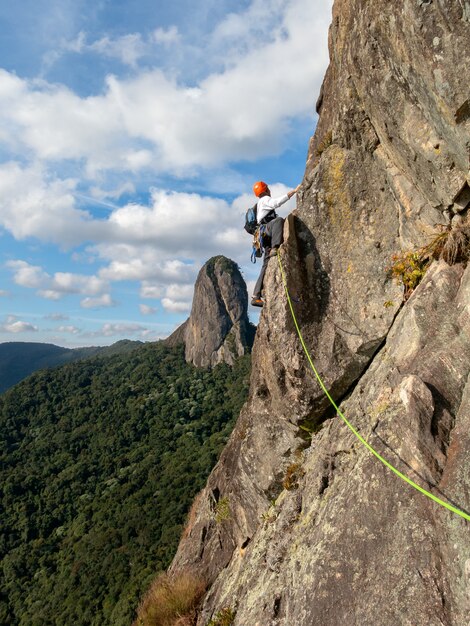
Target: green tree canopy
(99, 463)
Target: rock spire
(218, 329)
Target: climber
(273, 227)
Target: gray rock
(353, 544)
(218, 329)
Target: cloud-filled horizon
(129, 148)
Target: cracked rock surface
(349, 542)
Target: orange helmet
(259, 188)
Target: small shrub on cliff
(293, 474)
(224, 617)
(222, 510)
(451, 245)
(171, 601)
(408, 268)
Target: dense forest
(100, 460)
(19, 359)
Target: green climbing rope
(349, 425)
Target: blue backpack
(251, 222)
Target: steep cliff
(218, 329)
(299, 524)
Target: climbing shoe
(256, 301)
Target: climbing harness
(351, 428)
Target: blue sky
(131, 133)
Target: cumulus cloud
(20, 327)
(166, 36)
(109, 329)
(128, 48)
(151, 121)
(101, 302)
(34, 204)
(151, 291)
(176, 306)
(178, 298)
(146, 243)
(69, 329)
(14, 325)
(68, 151)
(145, 309)
(56, 286)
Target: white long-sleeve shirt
(266, 204)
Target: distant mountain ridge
(19, 359)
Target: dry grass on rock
(451, 245)
(171, 601)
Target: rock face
(218, 329)
(299, 524)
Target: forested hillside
(99, 462)
(19, 359)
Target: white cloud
(188, 225)
(100, 302)
(58, 285)
(101, 194)
(69, 329)
(21, 327)
(167, 37)
(33, 204)
(261, 71)
(128, 48)
(146, 244)
(4, 294)
(178, 298)
(49, 294)
(14, 325)
(75, 45)
(242, 111)
(176, 306)
(27, 275)
(151, 291)
(110, 329)
(250, 29)
(175, 298)
(145, 309)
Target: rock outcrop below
(218, 329)
(299, 523)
